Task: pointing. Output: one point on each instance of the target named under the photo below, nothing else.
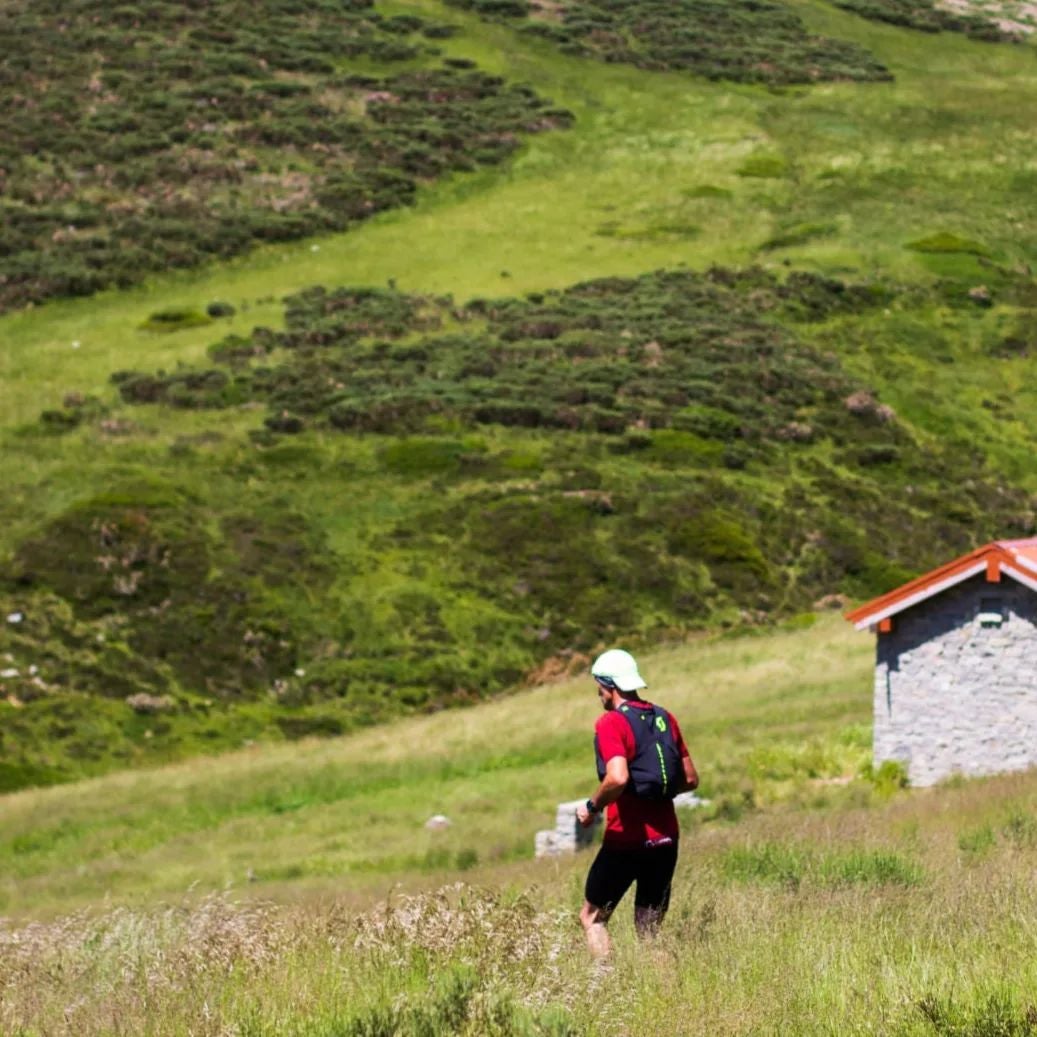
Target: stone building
(956, 665)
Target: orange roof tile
(1014, 558)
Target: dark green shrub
(927, 16)
(421, 456)
(14, 776)
(977, 842)
(708, 191)
(193, 599)
(311, 725)
(755, 41)
(175, 320)
(291, 424)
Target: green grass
(790, 866)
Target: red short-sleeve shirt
(632, 821)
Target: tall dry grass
(826, 943)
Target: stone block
(568, 835)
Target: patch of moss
(763, 167)
(946, 242)
(799, 234)
(707, 191)
(176, 320)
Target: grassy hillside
(276, 890)
(493, 490)
(774, 715)
(193, 132)
(319, 521)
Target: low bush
(174, 598)
(421, 456)
(928, 16)
(976, 843)
(756, 41)
(889, 777)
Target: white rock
(15, 617)
(689, 799)
(437, 822)
(9, 672)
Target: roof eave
(872, 615)
(909, 589)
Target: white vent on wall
(991, 612)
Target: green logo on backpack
(660, 723)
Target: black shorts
(614, 870)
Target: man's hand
(617, 774)
(691, 776)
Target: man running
(642, 763)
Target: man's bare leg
(595, 925)
(647, 920)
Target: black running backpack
(656, 771)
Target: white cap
(620, 667)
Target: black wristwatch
(592, 808)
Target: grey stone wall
(568, 835)
(953, 695)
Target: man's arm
(691, 776)
(617, 774)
